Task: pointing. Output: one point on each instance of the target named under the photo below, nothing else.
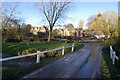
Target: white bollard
(63, 51)
(72, 47)
(38, 57)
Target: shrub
(40, 34)
(34, 50)
(36, 39)
(29, 51)
(54, 53)
(13, 40)
(57, 37)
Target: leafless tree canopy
(69, 26)
(8, 13)
(53, 11)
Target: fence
(38, 54)
(113, 55)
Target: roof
(62, 29)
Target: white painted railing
(38, 54)
(113, 55)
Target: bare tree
(91, 20)
(69, 26)
(10, 20)
(53, 11)
(8, 12)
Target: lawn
(14, 48)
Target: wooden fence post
(38, 57)
(111, 52)
(63, 50)
(72, 47)
(114, 56)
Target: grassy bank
(16, 73)
(108, 70)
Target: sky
(83, 10)
(79, 11)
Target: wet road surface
(84, 63)
(92, 68)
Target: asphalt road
(84, 63)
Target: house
(66, 32)
(79, 32)
(35, 30)
(58, 32)
(98, 34)
(69, 32)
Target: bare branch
(53, 11)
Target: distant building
(98, 34)
(69, 32)
(66, 32)
(60, 32)
(35, 30)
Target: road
(84, 63)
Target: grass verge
(108, 70)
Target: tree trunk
(50, 34)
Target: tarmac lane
(92, 68)
(74, 65)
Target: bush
(34, 50)
(114, 42)
(54, 53)
(40, 34)
(57, 37)
(109, 42)
(68, 41)
(37, 39)
(13, 40)
(69, 38)
(29, 51)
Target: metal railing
(38, 54)
(113, 55)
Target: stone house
(66, 32)
(35, 30)
(69, 32)
(61, 32)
